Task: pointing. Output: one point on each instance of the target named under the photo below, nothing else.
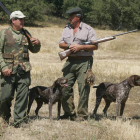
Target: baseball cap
(17, 14)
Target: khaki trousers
(9, 84)
(75, 70)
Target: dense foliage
(113, 14)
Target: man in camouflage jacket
(15, 68)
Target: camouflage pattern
(14, 47)
(16, 53)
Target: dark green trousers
(9, 84)
(75, 70)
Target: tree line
(112, 14)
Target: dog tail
(95, 86)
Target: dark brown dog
(48, 95)
(115, 93)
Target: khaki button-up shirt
(84, 33)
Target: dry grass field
(114, 61)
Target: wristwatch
(68, 45)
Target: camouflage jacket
(14, 46)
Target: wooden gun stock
(29, 36)
(64, 54)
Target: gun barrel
(126, 32)
(103, 40)
(3, 7)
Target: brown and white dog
(48, 95)
(115, 93)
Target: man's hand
(6, 72)
(75, 47)
(35, 41)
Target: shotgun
(67, 52)
(8, 13)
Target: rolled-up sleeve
(62, 37)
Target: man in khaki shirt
(77, 63)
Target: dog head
(60, 82)
(134, 80)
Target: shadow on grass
(136, 117)
(35, 117)
(99, 117)
(40, 118)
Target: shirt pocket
(8, 58)
(67, 39)
(80, 39)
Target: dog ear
(131, 80)
(39, 91)
(55, 83)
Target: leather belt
(79, 57)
